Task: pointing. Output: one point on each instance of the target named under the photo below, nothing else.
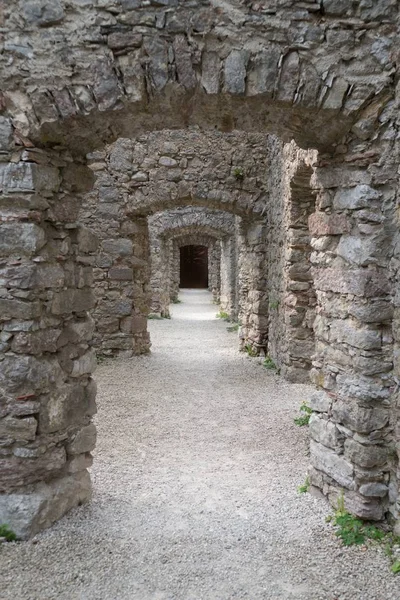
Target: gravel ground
(195, 478)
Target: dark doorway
(193, 267)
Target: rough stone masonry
(84, 85)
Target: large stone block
(17, 472)
(118, 247)
(87, 240)
(77, 332)
(211, 66)
(36, 342)
(42, 12)
(358, 418)
(6, 131)
(67, 407)
(18, 309)
(359, 196)
(364, 507)
(18, 430)
(325, 432)
(21, 238)
(27, 374)
(85, 364)
(183, 61)
(339, 176)
(28, 177)
(121, 273)
(263, 72)
(360, 282)
(368, 457)
(346, 331)
(72, 300)
(83, 441)
(376, 311)
(117, 307)
(332, 464)
(321, 223)
(320, 401)
(374, 490)
(363, 251)
(29, 511)
(364, 389)
(235, 71)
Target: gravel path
(195, 479)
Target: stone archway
(300, 86)
(165, 228)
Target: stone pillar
(160, 274)
(214, 269)
(351, 430)
(174, 262)
(47, 395)
(253, 292)
(228, 276)
(122, 270)
(297, 347)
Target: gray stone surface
(319, 76)
(188, 505)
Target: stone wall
(145, 66)
(321, 73)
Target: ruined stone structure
(173, 229)
(297, 103)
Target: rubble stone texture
(290, 111)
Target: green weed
(395, 568)
(222, 315)
(303, 489)
(176, 301)
(353, 531)
(250, 350)
(238, 173)
(234, 327)
(7, 533)
(274, 304)
(269, 363)
(304, 419)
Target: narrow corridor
(195, 487)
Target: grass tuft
(222, 315)
(7, 533)
(303, 419)
(303, 489)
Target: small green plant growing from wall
(304, 418)
(303, 489)
(350, 529)
(176, 301)
(269, 364)
(355, 532)
(7, 533)
(234, 327)
(222, 315)
(250, 350)
(238, 173)
(273, 304)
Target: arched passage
(90, 94)
(166, 228)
